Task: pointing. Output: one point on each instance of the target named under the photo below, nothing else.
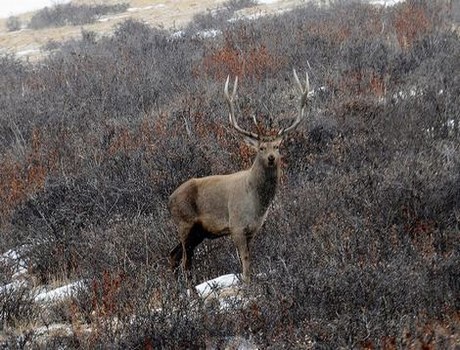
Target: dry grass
(158, 13)
(167, 13)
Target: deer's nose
(271, 158)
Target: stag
(234, 204)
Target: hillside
(168, 14)
(361, 246)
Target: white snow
(10, 287)
(385, 2)
(111, 18)
(250, 17)
(211, 33)
(54, 328)
(412, 91)
(16, 7)
(14, 259)
(11, 255)
(241, 16)
(60, 293)
(267, 2)
(178, 34)
(215, 285)
(137, 9)
(27, 52)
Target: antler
(303, 92)
(231, 115)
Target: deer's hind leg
(195, 236)
(175, 256)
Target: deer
(234, 204)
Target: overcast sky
(14, 7)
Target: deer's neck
(264, 181)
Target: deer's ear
(251, 142)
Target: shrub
(13, 23)
(69, 14)
(360, 248)
(17, 307)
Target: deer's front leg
(242, 244)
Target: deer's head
(267, 147)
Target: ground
(171, 14)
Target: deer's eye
(262, 148)
(276, 147)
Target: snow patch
(145, 8)
(211, 33)
(385, 2)
(10, 255)
(60, 293)
(267, 2)
(27, 52)
(224, 292)
(242, 16)
(177, 35)
(250, 17)
(61, 328)
(11, 287)
(111, 18)
(413, 91)
(216, 285)
(13, 258)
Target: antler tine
(231, 106)
(303, 92)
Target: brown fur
(220, 205)
(235, 204)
